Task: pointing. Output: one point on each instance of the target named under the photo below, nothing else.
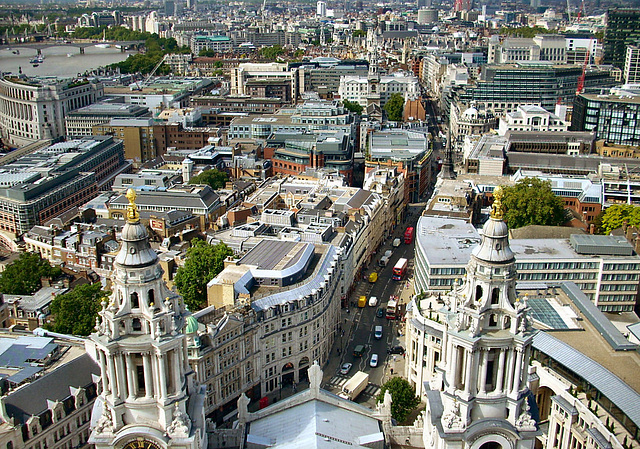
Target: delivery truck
(354, 386)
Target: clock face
(140, 443)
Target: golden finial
(497, 210)
(132, 210)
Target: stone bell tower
(141, 349)
(483, 398)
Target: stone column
(113, 381)
(176, 370)
(469, 367)
(162, 375)
(517, 372)
(475, 369)
(453, 376)
(148, 375)
(106, 387)
(483, 371)
(122, 376)
(500, 378)
(130, 375)
(510, 365)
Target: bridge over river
(80, 44)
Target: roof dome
(135, 250)
(192, 325)
(470, 113)
(494, 246)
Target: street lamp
(280, 387)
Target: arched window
(491, 445)
(10, 445)
(478, 293)
(507, 322)
(493, 321)
(152, 297)
(135, 301)
(495, 295)
(136, 325)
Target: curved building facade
(33, 109)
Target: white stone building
(359, 88)
(530, 117)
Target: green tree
(22, 277)
(403, 397)
(214, 178)
(359, 33)
(395, 107)
(207, 53)
(614, 217)
(527, 32)
(352, 106)
(75, 312)
(531, 202)
(203, 263)
(271, 53)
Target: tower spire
(448, 169)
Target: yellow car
(362, 301)
(373, 277)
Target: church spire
(448, 169)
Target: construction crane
(568, 11)
(140, 86)
(580, 86)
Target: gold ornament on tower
(497, 209)
(132, 210)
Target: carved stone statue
(180, 426)
(315, 378)
(243, 408)
(525, 421)
(104, 424)
(451, 419)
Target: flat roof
(274, 254)
(446, 240)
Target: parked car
(396, 350)
(374, 360)
(345, 368)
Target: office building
(605, 268)
(622, 30)
(409, 152)
(323, 74)
(631, 71)
(48, 182)
(136, 134)
(294, 152)
(503, 87)
(614, 117)
(80, 123)
(543, 47)
(33, 109)
(197, 200)
(216, 43)
(266, 72)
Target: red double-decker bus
(408, 235)
(399, 269)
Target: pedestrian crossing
(337, 381)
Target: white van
(373, 301)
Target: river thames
(63, 61)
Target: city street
(358, 325)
